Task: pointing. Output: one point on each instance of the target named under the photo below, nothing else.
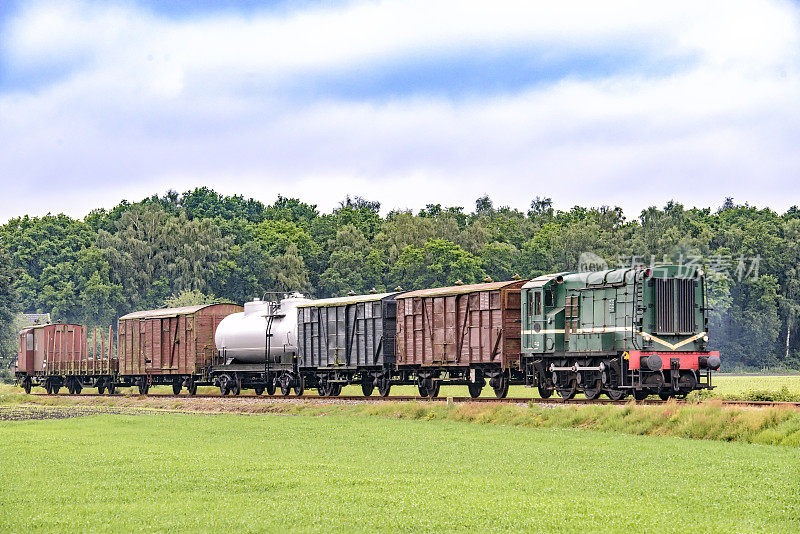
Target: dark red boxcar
(170, 345)
(470, 328)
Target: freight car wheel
(384, 386)
(191, 387)
(433, 387)
(270, 386)
(544, 392)
(616, 394)
(664, 395)
(101, 389)
(111, 388)
(423, 391)
(235, 387)
(336, 390)
(258, 390)
(475, 389)
(368, 385)
(286, 386)
(48, 387)
(299, 386)
(26, 385)
(567, 392)
(56, 389)
(500, 386)
(177, 385)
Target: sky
(618, 103)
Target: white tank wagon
(258, 347)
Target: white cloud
(150, 103)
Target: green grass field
(316, 474)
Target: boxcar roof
(458, 290)
(342, 301)
(168, 312)
(540, 281)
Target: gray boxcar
(348, 340)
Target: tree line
(200, 246)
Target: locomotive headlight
(705, 338)
(646, 338)
(700, 273)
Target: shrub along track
(406, 398)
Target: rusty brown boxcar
(461, 335)
(173, 346)
(56, 355)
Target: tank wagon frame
(641, 331)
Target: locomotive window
(537, 299)
(548, 298)
(530, 302)
(29, 342)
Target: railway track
(406, 398)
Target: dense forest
(200, 246)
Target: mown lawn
(276, 473)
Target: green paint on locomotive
(661, 309)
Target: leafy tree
(436, 263)
(9, 308)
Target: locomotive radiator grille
(675, 306)
(685, 306)
(665, 306)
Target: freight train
(636, 331)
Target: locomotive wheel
(384, 386)
(500, 387)
(592, 392)
(299, 385)
(616, 394)
(544, 392)
(176, 386)
(567, 392)
(640, 394)
(368, 385)
(687, 382)
(475, 389)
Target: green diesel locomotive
(638, 331)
